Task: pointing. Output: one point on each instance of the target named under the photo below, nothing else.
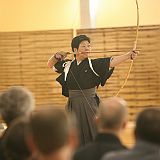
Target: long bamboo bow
(131, 64)
(134, 48)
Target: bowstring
(82, 92)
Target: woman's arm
(116, 60)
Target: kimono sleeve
(60, 65)
(102, 68)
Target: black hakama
(81, 84)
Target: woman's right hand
(55, 58)
(60, 55)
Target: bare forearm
(55, 58)
(116, 60)
(52, 61)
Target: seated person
(53, 135)
(147, 133)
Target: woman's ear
(75, 50)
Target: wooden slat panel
(24, 56)
(143, 86)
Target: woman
(80, 78)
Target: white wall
(123, 12)
(23, 15)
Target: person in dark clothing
(79, 79)
(147, 133)
(111, 119)
(15, 102)
(53, 134)
(15, 141)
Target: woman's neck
(79, 59)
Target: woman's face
(83, 50)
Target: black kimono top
(83, 74)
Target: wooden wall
(23, 58)
(23, 61)
(143, 86)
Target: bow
(134, 48)
(131, 64)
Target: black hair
(77, 40)
(14, 140)
(148, 125)
(50, 129)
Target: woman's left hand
(134, 54)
